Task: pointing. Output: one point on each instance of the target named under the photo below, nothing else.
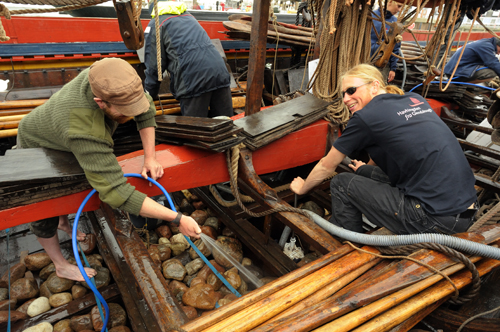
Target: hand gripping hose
(98, 295)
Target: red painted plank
(185, 168)
(72, 29)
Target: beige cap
(114, 80)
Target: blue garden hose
(98, 295)
(90, 283)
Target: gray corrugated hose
(456, 243)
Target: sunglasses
(352, 90)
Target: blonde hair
(369, 73)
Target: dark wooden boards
(33, 175)
(275, 122)
(205, 133)
(37, 166)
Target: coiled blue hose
(98, 295)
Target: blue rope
(172, 207)
(8, 269)
(463, 83)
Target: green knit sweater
(72, 121)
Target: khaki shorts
(45, 228)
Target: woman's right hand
(296, 185)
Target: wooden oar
(9, 125)
(244, 17)
(323, 293)
(8, 133)
(267, 308)
(358, 317)
(246, 36)
(10, 118)
(395, 277)
(265, 291)
(237, 26)
(443, 289)
(21, 103)
(280, 29)
(15, 111)
(417, 317)
(174, 110)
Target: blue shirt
(389, 18)
(481, 53)
(416, 150)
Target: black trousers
(386, 206)
(479, 75)
(219, 101)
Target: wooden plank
(164, 308)
(309, 231)
(273, 117)
(139, 314)
(207, 137)
(190, 131)
(479, 149)
(179, 163)
(50, 164)
(208, 124)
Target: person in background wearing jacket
(198, 75)
(392, 9)
(479, 63)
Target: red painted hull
(71, 29)
(185, 168)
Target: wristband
(177, 220)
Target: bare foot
(65, 227)
(72, 272)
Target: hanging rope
(158, 43)
(232, 166)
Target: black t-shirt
(414, 147)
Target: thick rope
(485, 218)
(476, 280)
(158, 43)
(232, 166)
(56, 9)
(244, 198)
(459, 58)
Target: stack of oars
(350, 290)
(240, 27)
(11, 112)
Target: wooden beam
(257, 59)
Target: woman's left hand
(356, 164)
